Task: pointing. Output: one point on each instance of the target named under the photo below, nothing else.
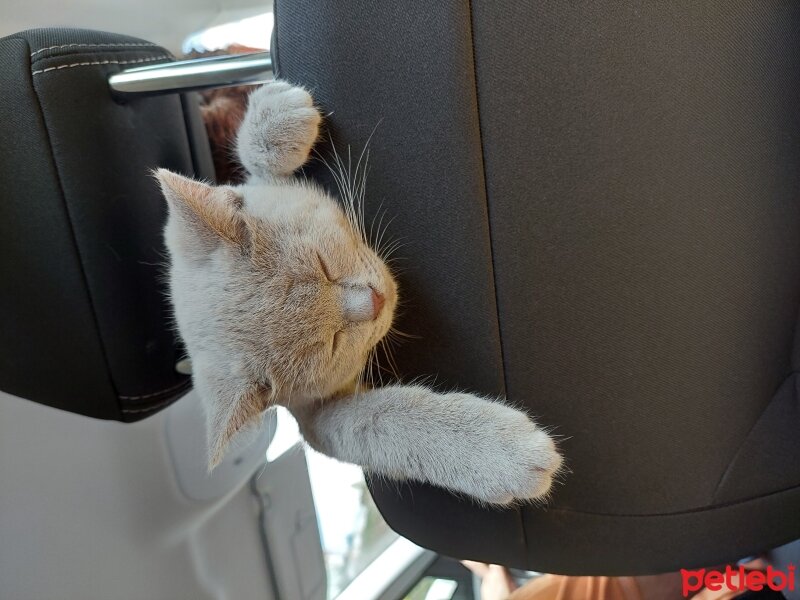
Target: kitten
(280, 300)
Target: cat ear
(203, 210)
(229, 419)
(229, 409)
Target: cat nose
(377, 303)
(362, 304)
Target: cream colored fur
(271, 285)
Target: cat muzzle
(362, 304)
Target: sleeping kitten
(280, 300)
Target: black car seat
(600, 206)
(87, 325)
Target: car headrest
(86, 325)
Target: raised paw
(278, 131)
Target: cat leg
(278, 130)
(460, 442)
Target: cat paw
(278, 131)
(531, 477)
(513, 460)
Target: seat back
(600, 206)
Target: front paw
(278, 131)
(512, 459)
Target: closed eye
(337, 338)
(324, 267)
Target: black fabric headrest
(86, 324)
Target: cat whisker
(362, 192)
(378, 350)
(369, 139)
(392, 248)
(395, 259)
(345, 189)
(362, 189)
(378, 213)
(387, 348)
(359, 383)
(391, 370)
(397, 271)
(356, 186)
(340, 177)
(411, 336)
(370, 362)
(381, 250)
(378, 369)
(381, 231)
(351, 183)
(374, 239)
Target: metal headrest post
(196, 74)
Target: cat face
(276, 294)
(327, 297)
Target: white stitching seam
(102, 62)
(158, 393)
(106, 45)
(148, 408)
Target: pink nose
(362, 304)
(377, 303)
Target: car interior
(597, 215)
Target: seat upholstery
(86, 324)
(600, 206)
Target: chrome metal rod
(195, 74)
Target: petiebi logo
(738, 580)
